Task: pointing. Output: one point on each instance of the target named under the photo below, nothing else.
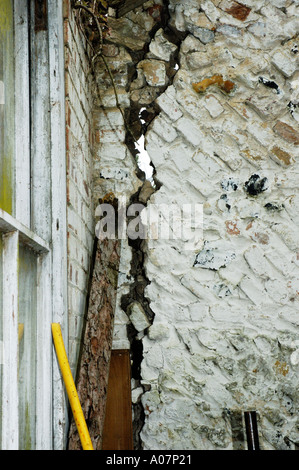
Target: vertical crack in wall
(140, 115)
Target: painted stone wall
(225, 333)
(213, 331)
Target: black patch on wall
(255, 185)
(229, 184)
(272, 207)
(293, 105)
(269, 84)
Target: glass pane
(6, 106)
(27, 348)
(1, 338)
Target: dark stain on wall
(255, 185)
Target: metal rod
(70, 387)
(251, 430)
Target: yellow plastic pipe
(71, 388)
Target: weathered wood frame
(59, 209)
(40, 219)
(13, 234)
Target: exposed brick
(282, 156)
(287, 132)
(232, 228)
(79, 164)
(238, 10)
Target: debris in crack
(137, 307)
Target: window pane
(27, 348)
(6, 106)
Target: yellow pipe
(71, 388)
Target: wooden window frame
(43, 228)
(14, 233)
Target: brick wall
(79, 135)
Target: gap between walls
(140, 116)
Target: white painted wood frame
(40, 222)
(22, 106)
(15, 233)
(40, 131)
(10, 417)
(44, 394)
(59, 209)
(40, 169)
(27, 237)
(48, 171)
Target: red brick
(287, 132)
(239, 11)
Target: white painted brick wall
(79, 125)
(225, 330)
